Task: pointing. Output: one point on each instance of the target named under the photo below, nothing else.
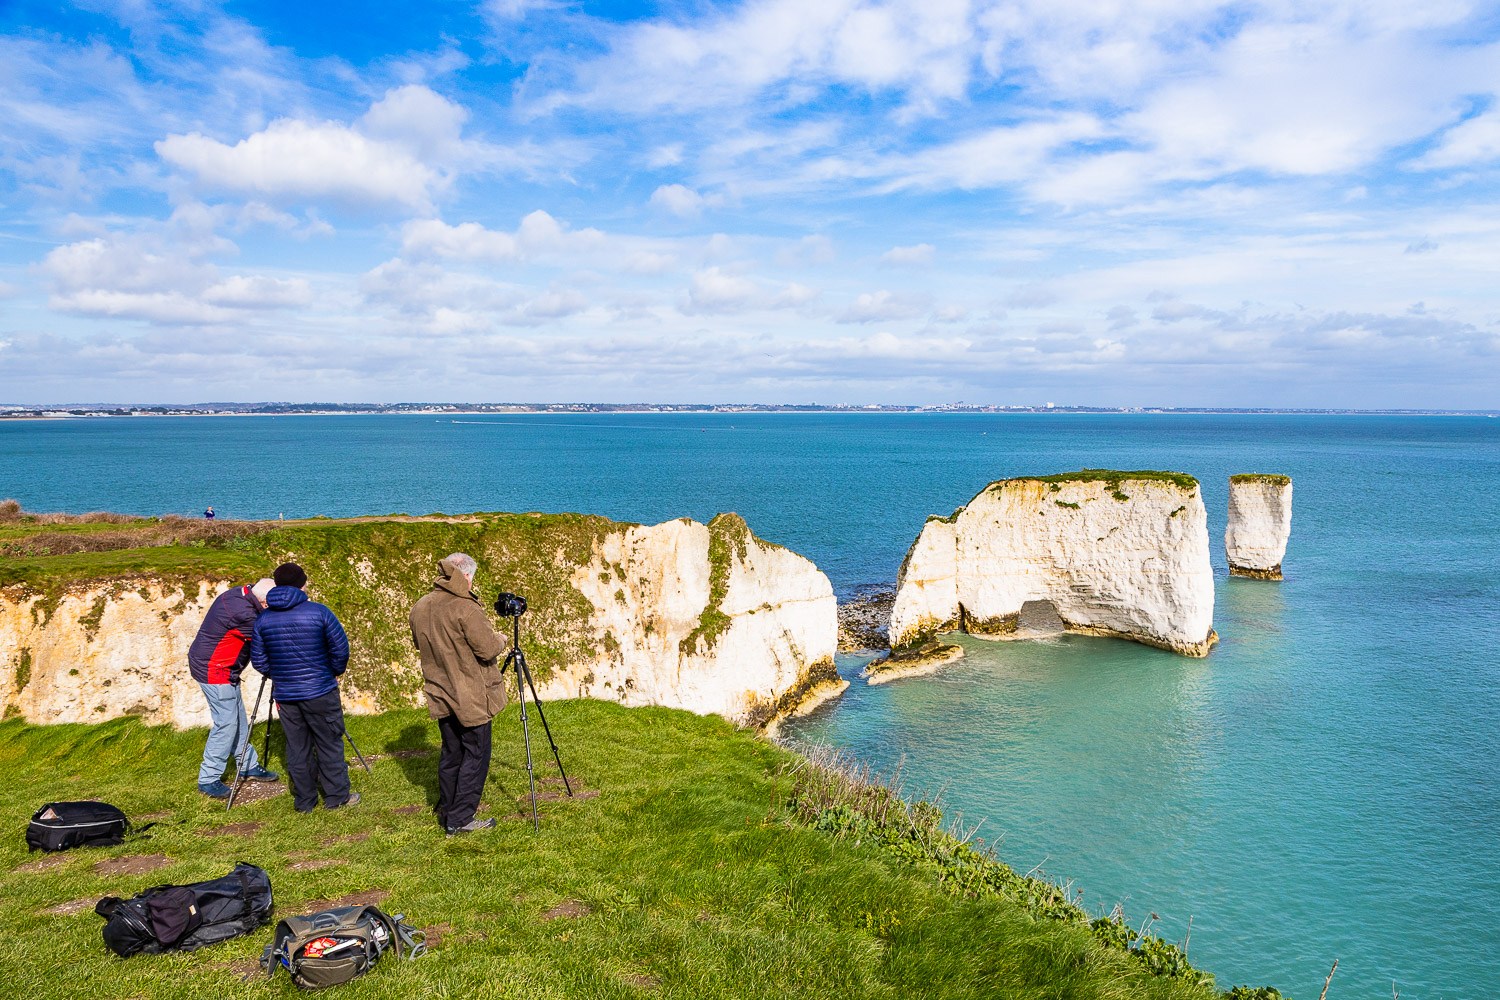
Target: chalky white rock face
(760, 648)
(752, 639)
(1260, 524)
(1128, 560)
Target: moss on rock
(728, 539)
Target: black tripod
(517, 659)
(239, 780)
(265, 757)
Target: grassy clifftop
(696, 861)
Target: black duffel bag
(184, 917)
(58, 826)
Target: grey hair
(462, 562)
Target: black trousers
(315, 750)
(463, 767)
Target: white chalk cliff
(1116, 554)
(706, 618)
(685, 615)
(1260, 524)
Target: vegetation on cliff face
(1111, 478)
(728, 536)
(368, 570)
(1274, 478)
(694, 862)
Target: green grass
(699, 877)
(1110, 477)
(1274, 478)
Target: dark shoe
(471, 826)
(352, 800)
(258, 773)
(215, 789)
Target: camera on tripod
(509, 605)
(513, 606)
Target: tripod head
(509, 605)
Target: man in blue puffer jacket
(300, 645)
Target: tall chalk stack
(1260, 522)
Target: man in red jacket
(216, 658)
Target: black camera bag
(185, 917)
(58, 826)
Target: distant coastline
(64, 411)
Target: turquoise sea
(1325, 785)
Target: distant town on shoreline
(67, 410)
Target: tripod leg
(239, 772)
(548, 730)
(362, 762)
(536, 823)
(270, 713)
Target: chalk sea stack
(1260, 523)
(1121, 554)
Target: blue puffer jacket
(300, 645)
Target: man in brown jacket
(464, 690)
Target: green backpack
(334, 946)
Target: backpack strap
(407, 937)
(408, 942)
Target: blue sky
(1111, 202)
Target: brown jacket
(459, 652)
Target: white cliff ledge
(1120, 554)
(707, 618)
(1260, 524)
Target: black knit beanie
(290, 575)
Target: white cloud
(669, 155)
(295, 159)
(468, 240)
(649, 262)
(417, 118)
(259, 292)
(795, 295)
(681, 201)
(556, 304)
(136, 278)
(814, 250)
(912, 256)
(713, 290)
(538, 233)
(923, 50)
(401, 152)
(1470, 143)
(883, 306)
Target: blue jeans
(228, 733)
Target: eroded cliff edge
(1260, 524)
(703, 617)
(1120, 554)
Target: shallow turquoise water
(1326, 784)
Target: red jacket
(222, 646)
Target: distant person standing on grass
(301, 646)
(464, 689)
(208, 515)
(215, 659)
